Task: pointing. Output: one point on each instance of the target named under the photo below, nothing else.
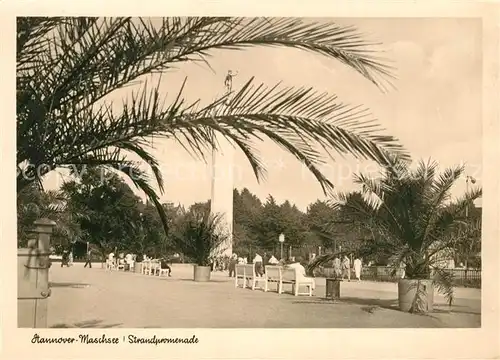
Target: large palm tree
(412, 218)
(66, 68)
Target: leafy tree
(67, 68)
(246, 212)
(268, 226)
(105, 208)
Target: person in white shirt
(357, 268)
(130, 261)
(346, 268)
(111, 260)
(259, 268)
(273, 261)
(301, 271)
(232, 265)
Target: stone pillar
(222, 189)
(33, 277)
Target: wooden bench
(247, 273)
(283, 276)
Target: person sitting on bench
(301, 270)
(164, 265)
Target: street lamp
(281, 239)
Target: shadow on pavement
(71, 285)
(369, 305)
(86, 324)
(201, 282)
(391, 304)
(455, 309)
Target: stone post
(33, 277)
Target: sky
(435, 110)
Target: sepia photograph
(253, 172)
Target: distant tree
(105, 208)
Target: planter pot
(138, 267)
(201, 273)
(407, 290)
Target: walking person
(65, 258)
(88, 262)
(259, 268)
(346, 268)
(232, 265)
(357, 268)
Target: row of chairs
(114, 265)
(273, 274)
(152, 267)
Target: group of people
(342, 268)
(129, 261)
(259, 261)
(67, 258)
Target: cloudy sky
(435, 109)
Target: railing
(461, 277)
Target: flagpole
(222, 186)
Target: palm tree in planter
(412, 219)
(197, 236)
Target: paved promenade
(95, 298)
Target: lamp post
(281, 239)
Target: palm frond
(419, 303)
(67, 68)
(443, 280)
(141, 181)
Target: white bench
(283, 276)
(246, 273)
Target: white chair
(273, 275)
(291, 276)
(110, 265)
(239, 273)
(162, 271)
(120, 265)
(248, 274)
(146, 267)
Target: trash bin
(332, 288)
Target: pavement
(96, 298)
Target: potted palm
(198, 235)
(413, 221)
